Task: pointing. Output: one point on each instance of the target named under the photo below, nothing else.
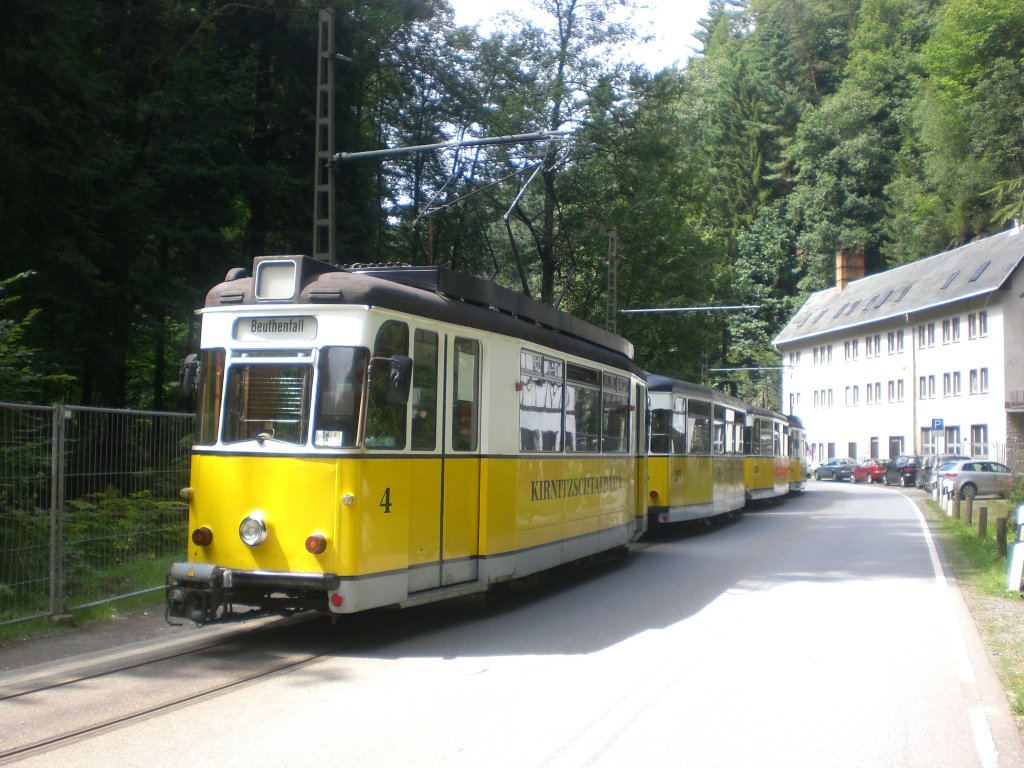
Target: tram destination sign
(281, 328)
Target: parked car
(926, 475)
(976, 477)
(836, 469)
(869, 471)
(902, 470)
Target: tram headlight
(253, 530)
(316, 544)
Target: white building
(924, 358)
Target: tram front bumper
(203, 592)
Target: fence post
(956, 506)
(969, 513)
(982, 521)
(1001, 536)
(57, 475)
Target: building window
(920, 337)
(892, 391)
(931, 334)
(946, 333)
(953, 439)
(856, 395)
(972, 326)
(983, 380)
(878, 391)
(983, 323)
(830, 398)
(979, 440)
(947, 384)
(899, 390)
(956, 329)
(956, 384)
(870, 394)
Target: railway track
(43, 710)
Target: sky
(672, 22)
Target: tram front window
(268, 401)
(340, 393)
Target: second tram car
(767, 465)
(696, 456)
(397, 436)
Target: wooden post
(1001, 536)
(956, 506)
(982, 522)
(969, 514)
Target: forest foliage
(148, 146)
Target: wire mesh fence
(89, 505)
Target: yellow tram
(382, 437)
(696, 460)
(767, 465)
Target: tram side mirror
(187, 375)
(399, 380)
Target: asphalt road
(819, 632)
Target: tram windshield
(268, 401)
(273, 399)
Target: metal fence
(90, 510)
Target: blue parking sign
(936, 424)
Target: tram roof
(430, 292)
(658, 383)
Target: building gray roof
(971, 270)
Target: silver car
(973, 477)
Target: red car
(869, 471)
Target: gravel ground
(67, 641)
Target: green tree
(972, 114)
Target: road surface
(818, 632)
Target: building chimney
(849, 266)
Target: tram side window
(764, 428)
(540, 402)
(615, 416)
(679, 426)
(339, 397)
(211, 387)
(718, 443)
(424, 391)
(385, 422)
(465, 395)
(582, 409)
(661, 430)
(698, 421)
(738, 431)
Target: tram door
(460, 470)
(444, 526)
